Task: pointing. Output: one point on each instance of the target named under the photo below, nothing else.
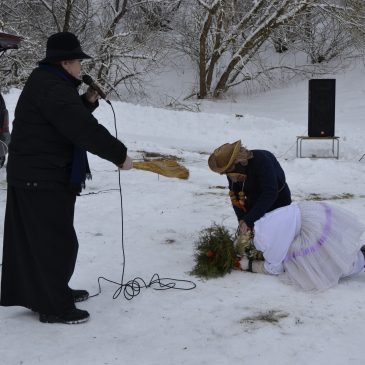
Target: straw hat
(222, 159)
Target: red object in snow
(210, 253)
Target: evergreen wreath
(217, 252)
(214, 252)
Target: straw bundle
(168, 168)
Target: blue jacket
(265, 187)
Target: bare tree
(230, 40)
(34, 21)
(351, 15)
(105, 29)
(239, 43)
(326, 32)
(128, 48)
(156, 15)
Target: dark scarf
(80, 170)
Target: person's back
(265, 187)
(38, 151)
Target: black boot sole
(50, 318)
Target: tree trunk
(202, 56)
(250, 43)
(68, 12)
(216, 54)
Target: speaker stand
(335, 151)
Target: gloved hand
(127, 164)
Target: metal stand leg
(297, 146)
(335, 153)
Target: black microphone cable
(133, 287)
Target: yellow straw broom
(168, 168)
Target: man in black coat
(47, 168)
(256, 181)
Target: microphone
(89, 81)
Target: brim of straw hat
(222, 159)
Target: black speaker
(321, 108)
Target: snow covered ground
(242, 318)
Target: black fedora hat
(63, 46)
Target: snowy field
(239, 319)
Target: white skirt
(326, 248)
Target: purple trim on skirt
(322, 239)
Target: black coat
(40, 244)
(50, 118)
(265, 187)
